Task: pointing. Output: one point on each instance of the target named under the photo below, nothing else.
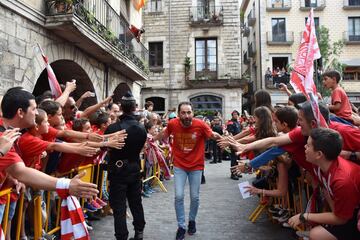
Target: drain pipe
(106, 80)
(261, 75)
(170, 65)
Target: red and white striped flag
(53, 82)
(302, 77)
(2, 236)
(73, 224)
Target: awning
(355, 62)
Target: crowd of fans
(283, 143)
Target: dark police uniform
(233, 127)
(124, 176)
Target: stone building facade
(75, 48)
(273, 29)
(194, 55)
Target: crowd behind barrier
(65, 142)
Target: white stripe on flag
(66, 226)
(80, 230)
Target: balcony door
(354, 2)
(206, 58)
(310, 3)
(354, 28)
(205, 9)
(278, 29)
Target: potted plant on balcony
(60, 6)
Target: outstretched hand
(82, 189)
(8, 138)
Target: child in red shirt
(340, 104)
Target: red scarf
(73, 224)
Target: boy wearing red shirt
(340, 104)
(19, 110)
(189, 154)
(340, 182)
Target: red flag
(53, 82)
(303, 73)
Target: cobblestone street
(222, 214)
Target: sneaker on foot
(286, 225)
(191, 227)
(88, 207)
(100, 202)
(274, 209)
(180, 234)
(95, 205)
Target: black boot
(138, 235)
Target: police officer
(124, 171)
(234, 127)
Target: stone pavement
(222, 214)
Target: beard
(186, 122)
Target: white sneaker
(303, 234)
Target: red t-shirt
(189, 143)
(31, 149)
(339, 96)
(50, 136)
(344, 189)
(349, 134)
(10, 158)
(297, 148)
(69, 161)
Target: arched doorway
(206, 105)
(159, 104)
(65, 71)
(120, 91)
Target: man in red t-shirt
(189, 136)
(340, 181)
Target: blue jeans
(180, 177)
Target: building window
(354, 2)
(278, 29)
(310, 3)
(155, 54)
(316, 21)
(159, 104)
(206, 105)
(354, 28)
(155, 6)
(349, 76)
(206, 55)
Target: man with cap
(233, 127)
(124, 171)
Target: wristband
(353, 157)
(62, 187)
(302, 218)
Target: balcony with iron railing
(273, 81)
(251, 18)
(351, 4)
(246, 59)
(216, 76)
(245, 31)
(206, 16)
(278, 5)
(317, 5)
(351, 38)
(251, 50)
(96, 28)
(284, 38)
